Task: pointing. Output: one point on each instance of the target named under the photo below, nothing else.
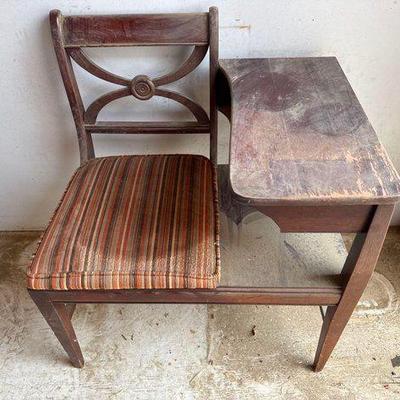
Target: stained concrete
(200, 352)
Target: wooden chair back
(73, 33)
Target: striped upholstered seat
(133, 222)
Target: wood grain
(300, 141)
(147, 127)
(72, 33)
(300, 136)
(58, 316)
(86, 150)
(213, 59)
(357, 272)
(220, 295)
(135, 29)
(310, 218)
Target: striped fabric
(133, 222)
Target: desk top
(299, 135)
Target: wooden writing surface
(300, 136)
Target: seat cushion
(133, 222)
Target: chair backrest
(72, 33)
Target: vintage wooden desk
(303, 153)
(144, 229)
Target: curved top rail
(135, 30)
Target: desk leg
(357, 271)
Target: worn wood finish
(200, 30)
(299, 136)
(72, 33)
(136, 30)
(357, 271)
(58, 316)
(141, 87)
(342, 219)
(85, 142)
(94, 108)
(233, 209)
(147, 127)
(195, 58)
(77, 54)
(303, 153)
(339, 218)
(195, 109)
(214, 39)
(221, 295)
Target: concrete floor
(200, 352)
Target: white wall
(38, 148)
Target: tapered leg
(356, 272)
(58, 316)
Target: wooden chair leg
(58, 316)
(357, 271)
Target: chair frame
(72, 33)
(371, 222)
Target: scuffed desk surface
(299, 135)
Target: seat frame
(369, 221)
